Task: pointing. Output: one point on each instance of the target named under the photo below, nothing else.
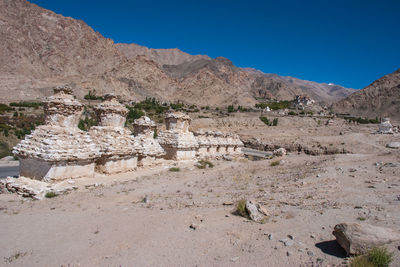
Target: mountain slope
(381, 98)
(171, 56)
(40, 49)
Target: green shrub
(174, 169)
(275, 163)
(231, 108)
(86, 123)
(133, 114)
(50, 195)
(5, 108)
(92, 96)
(241, 208)
(265, 120)
(177, 106)
(376, 257)
(292, 113)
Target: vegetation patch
(50, 194)
(275, 105)
(376, 257)
(241, 208)
(174, 169)
(86, 123)
(268, 122)
(275, 163)
(5, 108)
(363, 120)
(4, 150)
(202, 164)
(26, 104)
(92, 96)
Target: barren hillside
(381, 98)
(40, 49)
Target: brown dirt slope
(381, 98)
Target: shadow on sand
(332, 248)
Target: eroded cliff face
(381, 98)
(40, 49)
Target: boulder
(256, 211)
(393, 145)
(357, 238)
(280, 152)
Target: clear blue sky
(346, 42)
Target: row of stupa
(60, 150)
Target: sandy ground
(111, 225)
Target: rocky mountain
(172, 56)
(40, 49)
(381, 98)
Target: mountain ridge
(40, 49)
(379, 99)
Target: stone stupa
(117, 145)
(385, 127)
(144, 129)
(177, 141)
(58, 149)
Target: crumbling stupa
(144, 129)
(385, 127)
(117, 145)
(216, 144)
(176, 140)
(58, 149)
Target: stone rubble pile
(60, 150)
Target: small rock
(270, 236)
(310, 253)
(234, 259)
(312, 236)
(193, 226)
(288, 253)
(227, 157)
(291, 237)
(287, 242)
